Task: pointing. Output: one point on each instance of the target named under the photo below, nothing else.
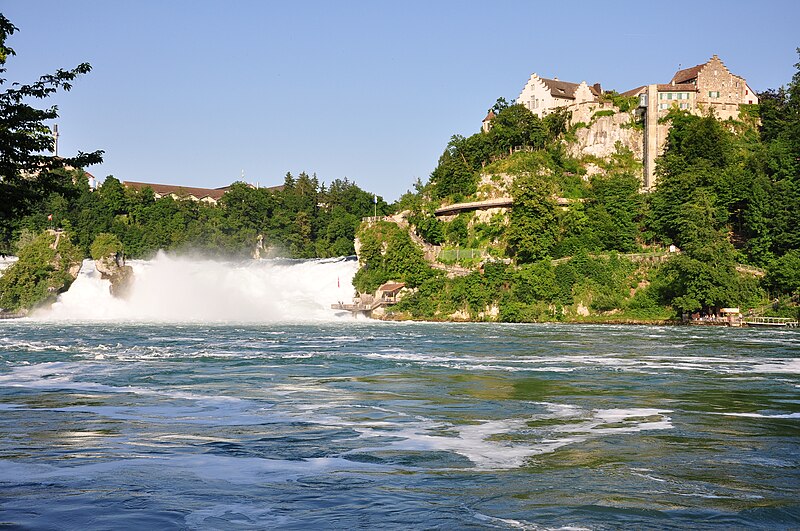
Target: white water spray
(177, 289)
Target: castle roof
(489, 116)
(634, 92)
(180, 191)
(565, 89)
(687, 74)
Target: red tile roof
(560, 89)
(634, 92)
(682, 76)
(392, 286)
(180, 191)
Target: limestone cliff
(600, 136)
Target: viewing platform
(771, 322)
(386, 295)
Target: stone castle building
(707, 87)
(542, 95)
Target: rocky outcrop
(46, 267)
(600, 137)
(113, 268)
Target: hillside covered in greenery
(583, 243)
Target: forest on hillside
(727, 197)
(574, 243)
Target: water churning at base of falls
(182, 289)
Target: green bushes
(105, 245)
(40, 273)
(387, 253)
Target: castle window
(713, 94)
(684, 105)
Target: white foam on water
(521, 524)
(180, 289)
(779, 366)
(763, 416)
(509, 443)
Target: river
(342, 423)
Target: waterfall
(179, 289)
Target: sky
(200, 92)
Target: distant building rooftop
(206, 195)
(181, 192)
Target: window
(713, 94)
(662, 106)
(684, 105)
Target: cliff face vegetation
(581, 242)
(47, 266)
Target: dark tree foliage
(533, 229)
(302, 220)
(27, 173)
(514, 127)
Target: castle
(707, 87)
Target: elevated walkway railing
(771, 321)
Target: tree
(27, 173)
(533, 228)
(783, 275)
(516, 126)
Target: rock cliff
(113, 268)
(600, 137)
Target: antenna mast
(55, 140)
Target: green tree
(533, 228)
(105, 245)
(27, 173)
(783, 275)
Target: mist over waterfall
(179, 289)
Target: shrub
(105, 245)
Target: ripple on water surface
(398, 425)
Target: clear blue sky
(192, 92)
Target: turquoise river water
(357, 424)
